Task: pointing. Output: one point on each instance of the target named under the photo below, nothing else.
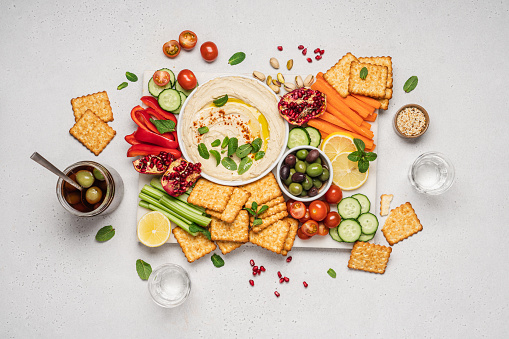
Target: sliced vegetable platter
(368, 189)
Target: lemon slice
(346, 173)
(337, 143)
(154, 229)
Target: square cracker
(275, 201)
(209, 195)
(228, 246)
(290, 238)
(269, 221)
(237, 201)
(369, 257)
(193, 247)
(273, 237)
(97, 103)
(263, 190)
(238, 230)
(384, 103)
(381, 61)
(273, 210)
(337, 76)
(385, 204)
(375, 83)
(92, 132)
(401, 223)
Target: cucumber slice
(349, 208)
(185, 91)
(366, 237)
(314, 134)
(298, 136)
(349, 230)
(368, 222)
(155, 90)
(333, 232)
(169, 100)
(183, 98)
(364, 201)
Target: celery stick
(156, 183)
(176, 205)
(176, 221)
(182, 209)
(156, 203)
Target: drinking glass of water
(169, 285)
(431, 173)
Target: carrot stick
(353, 103)
(372, 117)
(366, 125)
(370, 101)
(329, 117)
(371, 149)
(367, 107)
(353, 127)
(328, 128)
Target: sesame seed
(411, 121)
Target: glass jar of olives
(103, 189)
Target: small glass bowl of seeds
(411, 121)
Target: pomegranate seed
(304, 51)
(251, 282)
(318, 57)
(279, 274)
(259, 272)
(262, 268)
(322, 51)
(309, 60)
(281, 280)
(289, 259)
(255, 268)
(317, 50)
(300, 47)
(305, 284)
(251, 262)
(276, 293)
(254, 272)
(287, 279)
(279, 48)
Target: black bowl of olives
(304, 173)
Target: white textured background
(450, 280)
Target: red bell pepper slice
(152, 103)
(146, 119)
(147, 136)
(130, 138)
(145, 149)
(141, 117)
(153, 112)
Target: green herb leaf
(233, 144)
(410, 84)
(263, 209)
(122, 85)
(163, 126)
(259, 155)
(229, 164)
(359, 144)
(257, 222)
(250, 210)
(131, 76)
(105, 233)
(237, 58)
(364, 73)
(254, 206)
(144, 269)
(216, 155)
(332, 273)
(370, 156)
(222, 152)
(202, 149)
(245, 165)
(217, 260)
(354, 156)
(215, 143)
(203, 130)
(363, 165)
(256, 144)
(198, 229)
(221, 101)
(225, 142)
(243, 150)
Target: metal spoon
(45, 163)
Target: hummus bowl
(250, 113)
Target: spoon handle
(45, 163)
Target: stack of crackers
(92, 113)
(231, 225)
(344, 76)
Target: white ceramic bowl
(324, 187)
(238, 182)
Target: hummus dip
(251, 112)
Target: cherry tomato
(328, 206)
(309, 228)
(289, 205)
(187, 40)
(171, 49)
(322, 229)
(334, 194)
(318, 210)
(306, 217)
(161, 78)
(332, 220)
(187, 79)
(298, 210)
(208, 51)
(301, 234)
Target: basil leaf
(257, 222)
(370, 156)
(225, 142)
(105, 233)
(217, 260)
(263, 209)
(354, 156)
(221, 101)
(222, 152)
(332, 273)
(229, 164)
(203, 130)
(359, 144)
(245, 165)
(233, 143)
(131, 76)
(364, 73)
(259, 155)
(215, 143)
(243, 150)
(198, 229)
(256, 144)
(144, 269)
(254, 206)
(237, 58)
(216, 155)
(410, 84)
(202, 149)
(163, 126)
(122, 85)
(363, 165)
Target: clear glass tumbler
(431, 173)
(169, 285)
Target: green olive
(302, 154)
(317, 183)
(98, 175)
(288, 181)
(318, 161)
(314, 170)
(85, 178)
(93, 195)
(325, 175)
(307, 183)
(295, 189)
(300, 166)
(303, 193)
(73, 197)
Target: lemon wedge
(336, 143)
(346, 173)
(154, 229)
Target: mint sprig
(163, 126)
(255, 212)
(360, 156)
